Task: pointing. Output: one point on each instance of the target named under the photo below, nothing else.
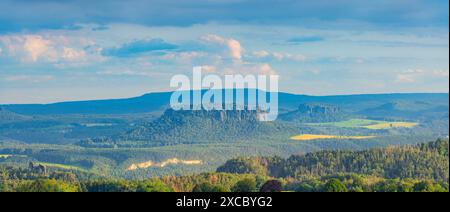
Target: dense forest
(423, 161)
(418, 168)
(316, 113)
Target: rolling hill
(315, 113)
(8, 116)
(159, 102)
(412, 110)
(412, 161)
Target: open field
(368, 124)
(308, 137)
(389, 125)
(62, 166)
(5, 156)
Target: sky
(66, 50)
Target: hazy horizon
(157, 92)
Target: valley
(108, 138)
(422, 167)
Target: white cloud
(184, 57)
(403, 78)
(261, 54)
(441, 73)
(209, 69)
(36, 47)
(250, 69)
(409, 76)
(29, 48)
(279, 56)
(239, 66)
(126, 72)
(29, 78)
(234, 47)
(139, 68)
(414, 75)
(214, 39)
(61, 51)
(266, 69)
(73, 54)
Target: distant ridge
(7, 116)
(159, 102)
(406, 110)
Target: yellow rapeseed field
(389, 125)
(308, 137)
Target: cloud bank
(66, 14)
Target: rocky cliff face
(218, 115)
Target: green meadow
(368, 124)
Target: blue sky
(52, 50)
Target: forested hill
(424, 161)
(408, 110)
(184, 126)
(181, 127)
(7, 116)
(316, 113)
